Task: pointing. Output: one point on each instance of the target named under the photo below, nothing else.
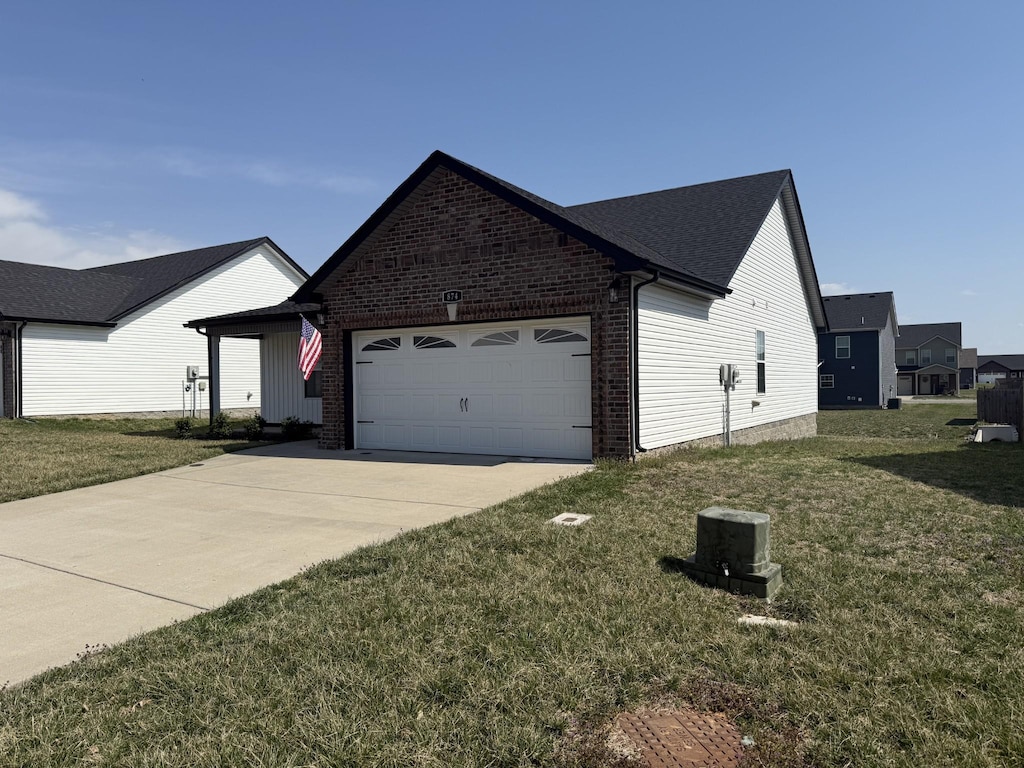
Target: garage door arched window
(391, 342)
(556, 335)
(431, 342)
(499, 339)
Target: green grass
(486, 640)
(51, 455)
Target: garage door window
(556, 335)
(431, 342)
(391, 342)
(499, 339)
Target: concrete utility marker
(94, 566)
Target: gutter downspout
(18, 407)
(636, 359)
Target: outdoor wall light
(613, 291)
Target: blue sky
(130, 129)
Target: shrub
(183, 428)
(220, 427)
(294, 429)
(254, 427)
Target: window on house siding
(912, 357)
(951, 356)
(926, 357)
(315, 384)
(827, 381)
(759, 354)
(842, 347)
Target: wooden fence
(1003, 404)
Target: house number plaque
(451, 296)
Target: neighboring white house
(470, 316)
(112, 339)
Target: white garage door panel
(512, 389)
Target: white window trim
(759, 362)
(846, 347)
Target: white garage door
(515, 389)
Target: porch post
(213, 364)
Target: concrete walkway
(97, 565)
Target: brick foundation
(508, 264)
(787, 429)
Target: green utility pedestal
(733, 552)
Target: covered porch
(276, 329)
(933, 380)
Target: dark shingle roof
(858, 311)
(102, 295)
(703, 230)
(37, 292)
(916, 335)
(281, 311)
(696, 235)
(1012, 362)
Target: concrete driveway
(97, 565)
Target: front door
(924, 385)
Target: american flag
(310, 347)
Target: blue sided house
(856, 355)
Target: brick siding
(508, 265)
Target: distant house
(928, 359)
(968, 367)
(857, 352)
(994, 367)
(467, 315)
(112, 339)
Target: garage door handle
(467, 405)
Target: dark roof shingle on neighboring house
(1010, 362)
(858, 311)
(912, 336)
(102, 295)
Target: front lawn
(50, 455)
(486, 640)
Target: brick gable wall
(508, 265)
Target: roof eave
(802, 246)
(56, 321)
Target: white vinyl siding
(684, 339)
(138, 366)
(284, 391)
